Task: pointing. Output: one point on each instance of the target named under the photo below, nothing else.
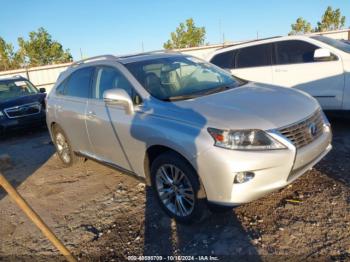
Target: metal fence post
(27, 73)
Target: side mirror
(118, 96)
(322, 54)
(42, 90)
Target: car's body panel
(271, 174)
(73, 111)
(262, 74)
(346, 92)
(251, 105)
(107, 122)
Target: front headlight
(252, 139)
(1, 114)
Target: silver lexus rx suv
(198, 135)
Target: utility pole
(221, 32)
(81, 54)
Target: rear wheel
(64, 149)
(178, 188)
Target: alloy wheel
(175, 190)
(63, 147)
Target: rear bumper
(273, 169)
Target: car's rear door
(252, 63)
(295, 67)
(70, 103)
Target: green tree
(301, 26)
(331, 20)
(8, 58)
(40, 49)
(186, 35)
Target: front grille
(23, 110)
(304, 132)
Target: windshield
(15, 88)
(180, 77)
(343, 46)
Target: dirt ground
(101, 214)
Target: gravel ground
(101, 214)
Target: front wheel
(178, 188)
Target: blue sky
(119, 27)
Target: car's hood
(39, 97)
(255, 106)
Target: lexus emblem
(312, 129)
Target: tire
(178, 189)
(64, 148)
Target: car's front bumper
(22, 122)
(273, 169)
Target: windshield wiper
(215, 90)
(177, 98)
(197, 94)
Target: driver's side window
(110, 78)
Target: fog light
(243, 177)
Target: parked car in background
(197, 134)
(315, 64)
(21, 104)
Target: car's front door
(105, 122)
(296, 67)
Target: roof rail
(105, 57)
(93, 58)
(11, 77)
(162, 51)
(249, 41)
(149, 53)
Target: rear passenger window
(78, 84)
(253, 56)
(294, 52)
(224, 60)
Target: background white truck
(317, 65)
